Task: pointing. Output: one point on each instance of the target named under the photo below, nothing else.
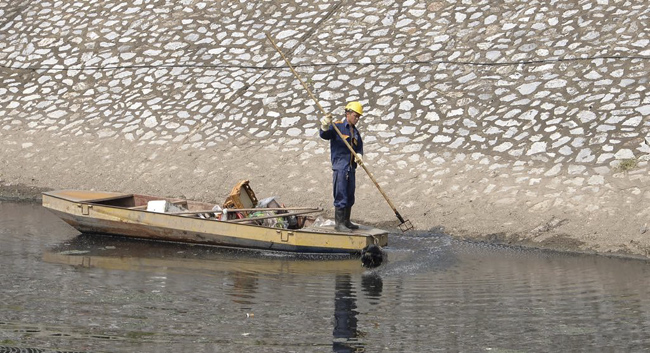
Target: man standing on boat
(344, 164)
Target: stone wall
(483, 117)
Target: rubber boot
(348, 223)
(339, 219)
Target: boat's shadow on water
(114, 252)
(406, 253)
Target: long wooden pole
(405, 224)
(315, 209)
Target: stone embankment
(521, 122)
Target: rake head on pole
(405, 225)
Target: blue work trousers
(344, 185)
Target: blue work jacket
(339, 152)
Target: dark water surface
(64, 292)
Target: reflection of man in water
(345, 317)
(345, 311)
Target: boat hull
(87, 215)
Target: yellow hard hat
(355, 107)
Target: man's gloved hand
(325, 122)
(359, 159)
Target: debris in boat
(268, 202)
(164, 206)
(241, 196)
(267, 218)
(276, 222)
(218, 212)
(288, 222)
(321, 222)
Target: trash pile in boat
(242, 206)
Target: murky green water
(64, 292)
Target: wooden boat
(199, 222)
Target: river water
(62, 291)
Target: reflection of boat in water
(197, 222)
(126, 254)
